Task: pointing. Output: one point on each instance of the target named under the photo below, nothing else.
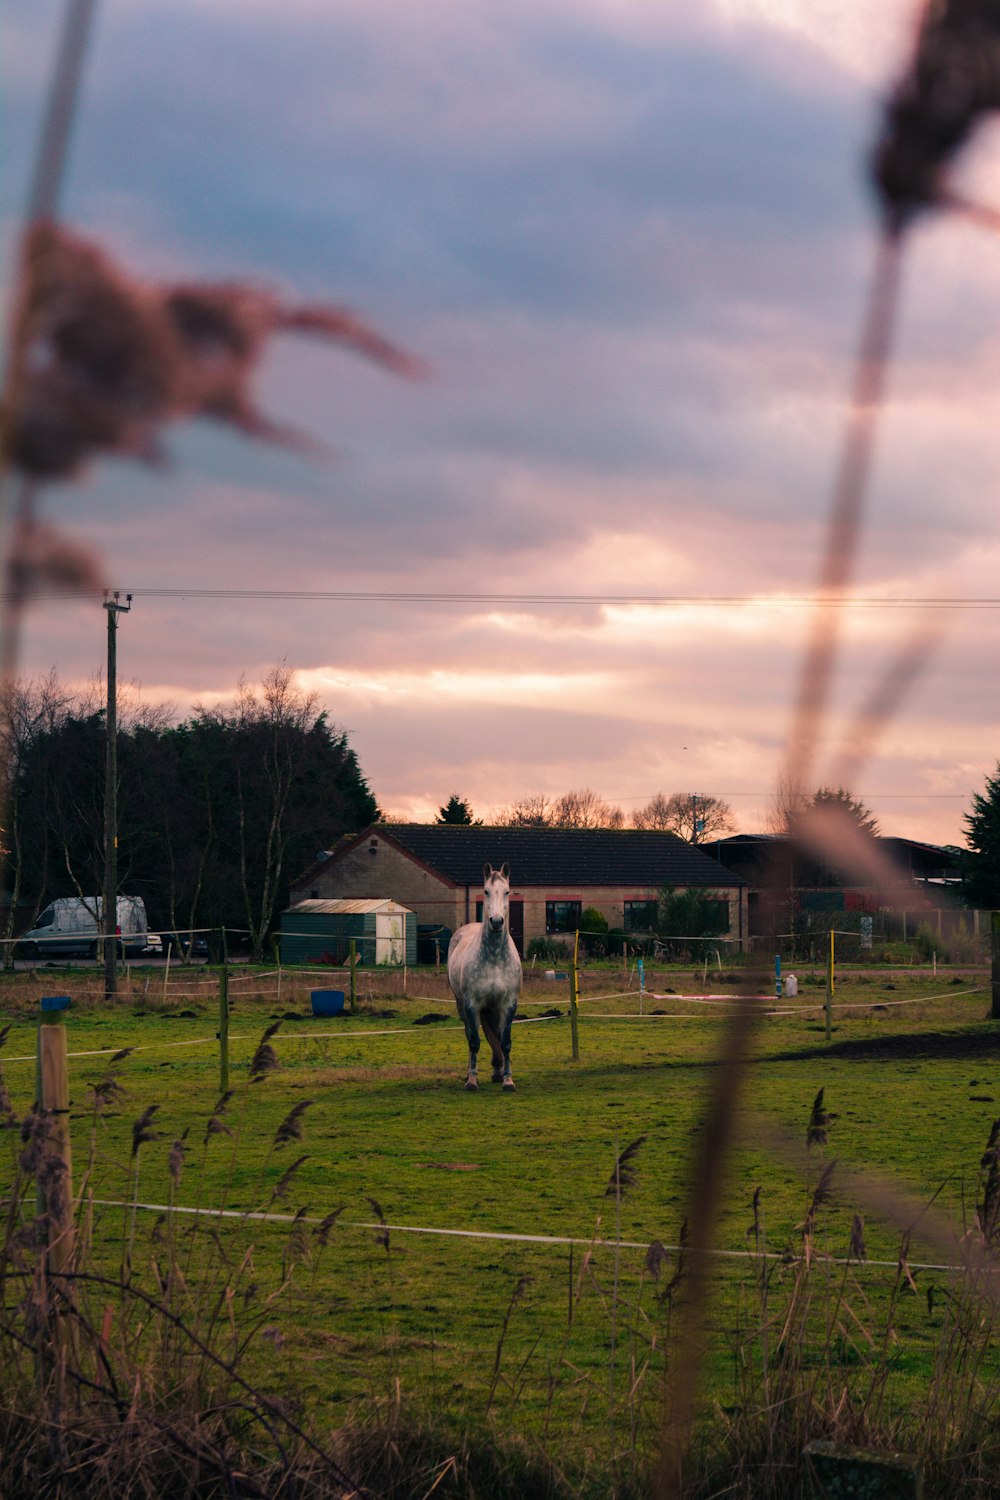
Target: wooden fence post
(995, 957)
(829, 989)
(573, 996)
(224, 1029)
(55, 1188)
(841, 1472)
(352, 949)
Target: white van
(69, 926)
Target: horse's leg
(472, 1032)
(508, 1081)
(495, 1048)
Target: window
(718, 918)
(562, 916)
(640, 916)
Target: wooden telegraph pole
(109, 920)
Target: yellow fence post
(224, 1029)
(573, 996)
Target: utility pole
(109, 917)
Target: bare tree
(585, 808)
(693, 816)
(132, 711)
(532, 811)
(270, 724)
(788, 804)
(28, 709)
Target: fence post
(995, 957)
(573, 994)
(829, 989)
(224, 1029)
(352, 950)
(52, 1094)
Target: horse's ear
(505, 870)
(487, 870)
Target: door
(517, 925)
(390, 938)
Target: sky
(632, 242)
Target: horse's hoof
(508, 1084)
(471, 1085)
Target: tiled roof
(559, 856)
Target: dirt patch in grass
(942, 1044)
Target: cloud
(633, 241)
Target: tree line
(216, 814)
(697, 817)
(693, 816)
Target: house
(436, 870)
(789, 890)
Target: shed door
(390, 938)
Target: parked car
(184, 944)
(154, 943)
(69, 927)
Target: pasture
(478, 1262)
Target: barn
(437, 871)
(320, 931)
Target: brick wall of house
(388, 872)
(363, 875)
(608, 900)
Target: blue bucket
(328, 1002)
(55, 1002)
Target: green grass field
(911, 1078)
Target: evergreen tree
(839, 800)
(216, 815)
(980, 863)
(456, 810)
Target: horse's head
(496, 897)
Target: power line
(675, 601)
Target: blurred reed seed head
(175, 1160)
(953, 79)
(820, 1120)
(626, 1169)
(856, 1245)
(110, 359)
(142, 1131)
(265, 1059)
(290, 1128)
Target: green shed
(317, 931)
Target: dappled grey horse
(484, 971)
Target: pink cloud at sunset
(633, 243)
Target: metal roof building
(320, 931)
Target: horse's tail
(493, 1040)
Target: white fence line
(711, 1001)
(256, 1216)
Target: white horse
(484, 972)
